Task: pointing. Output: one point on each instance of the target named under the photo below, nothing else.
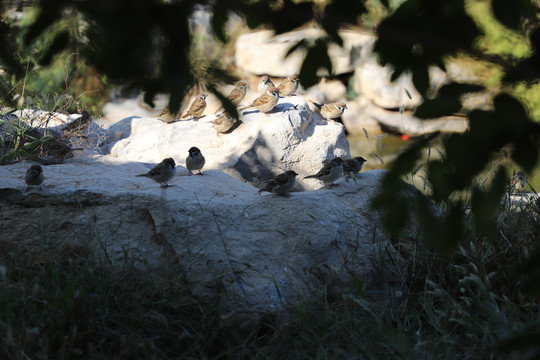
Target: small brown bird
(197, 107)
(162, 172)
(334, 110)
(288, 86)
(264, 84)
(519, 181)
(281, 184)
(223, 123)
(80, 125)
(237, 94)
(167, 116)
(352, 167)
(34, 176)
(330, 172)
(57, 149)
(195, 160)
(266, 102)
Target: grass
(58, 305)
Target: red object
(405, 137)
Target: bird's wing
(327, 169)
(235, 94)
(157, 170)
(281, 179)
(261, 100)
(198, 106)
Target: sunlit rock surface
(261, 252)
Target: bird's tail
(142, 175)
(310, 176)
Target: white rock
(119, 109)
(259, 148)
(393, 121)
(262, 53)
(358, 117)
(372, 81)
(326, 91)
(53, 121)
(266, 251)
(363, 114)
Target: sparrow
(223, 123)
(195, 160)
(167, 116)
(333, 110)
(34, 176)
(57, 148)
(330, 172)
(281, 184)
(266, 102)
(288, 86)
(237, 94)
(518, 181)
(80, 125)
(197, 107)
(353, 166)
(264, 84)
(162, 172)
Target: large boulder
(260, 251)
(292, 137)
(263, 53)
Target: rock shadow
(118, 131)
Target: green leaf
(527, 8)
(443, 232)
(406, 161)
(447, 102)
(451, 231)
(421, 33)
(308, 72)
(339, 13)
(420, 79)
(438, 107)
(527, 70)
(60, 42)
(49, 12)
(290, 15)
(7, 50)
(440, 180)
(302, 44)
(526, 155)
(485, 204)
(219, 20)
(507, 12)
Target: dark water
(380, 150)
